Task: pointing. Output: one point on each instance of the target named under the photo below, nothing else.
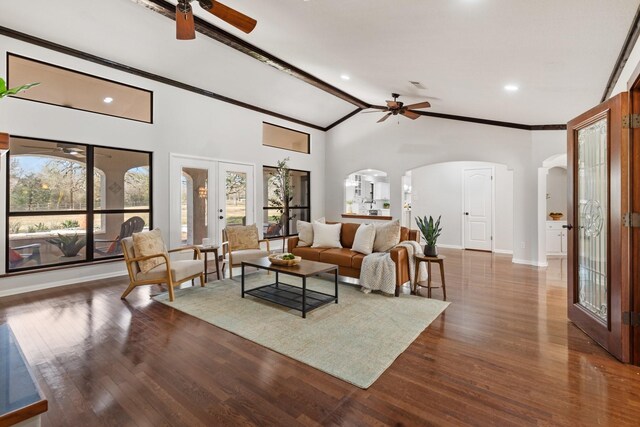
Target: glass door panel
(194, 194)
(235, 195)
(592, 191)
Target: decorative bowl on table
(556, 216)
(285, 259)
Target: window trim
(307, 207)
(292, 130)
(89, 212)
(151, 111)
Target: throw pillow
(365, 236)
(305, 232)
(387, 236)
(326, 235)
(243, 237)
(149, 243)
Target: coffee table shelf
(294, 297)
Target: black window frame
(307, 208)
(89, 212)
(292, 130)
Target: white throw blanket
(378, 271)
(414, 248)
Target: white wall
(184, 123)
(361, 143)
(557, 190)
(438, 190)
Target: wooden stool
(429, 259)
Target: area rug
(355, 340)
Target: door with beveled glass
(598, 250)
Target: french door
(205, 196)
(478, 209)
(598, 244)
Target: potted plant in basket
(4, 92)
(69, 245)
(430, 231)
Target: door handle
(568, 226)
(220, 217)
(466, 213)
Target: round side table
(431, 259)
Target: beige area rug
(355, 340)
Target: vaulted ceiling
(559, 53)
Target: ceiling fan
(396, 107)
(185, 26)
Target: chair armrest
(265, 241)
(196, 251)
(400, 257)
(146, 257)
(292, 242)
(31, 246)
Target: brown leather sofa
(348, 261)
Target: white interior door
(236, 199)
(192, 200)
(478, 209)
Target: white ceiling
(560, 53)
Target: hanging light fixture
(202, 192)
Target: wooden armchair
(171, 272)
(236, 249)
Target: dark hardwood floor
(502, 354)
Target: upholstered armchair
(148, 267)
(241, 243)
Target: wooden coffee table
(297, 298)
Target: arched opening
(552, 199)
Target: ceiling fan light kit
(396, 107)
(185, 23)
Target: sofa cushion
(311, 254)
(337, 256)
(179, 270)
(356, 261)
(387, 236)
(326, 235)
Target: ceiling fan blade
(378, 111)
(232, 16)
(410, 114)
(424, 104)
(185, 27)
(385, 117)
(393, 104)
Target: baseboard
(503, 251)
(65, 282)
(527, 262)
(449, 246)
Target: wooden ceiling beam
(168, 10)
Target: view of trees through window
(50, 221)
(299, 204)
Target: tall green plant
(429, 229)
(4, 91)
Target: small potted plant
(386, 205)
(430, 231)
(349, 206)
(69, 245)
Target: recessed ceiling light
(108, 100)
(345, 77)
(511, 88)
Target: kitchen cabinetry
(381, 191)
(556, 238)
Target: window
(299, 206)
(72, 89)
(287, 139)
(60, 213)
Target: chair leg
(171, 293)
(202, 280)
(127, 291)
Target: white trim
(449, 246)
(527, 262)
(503, 251)
(65, 282)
